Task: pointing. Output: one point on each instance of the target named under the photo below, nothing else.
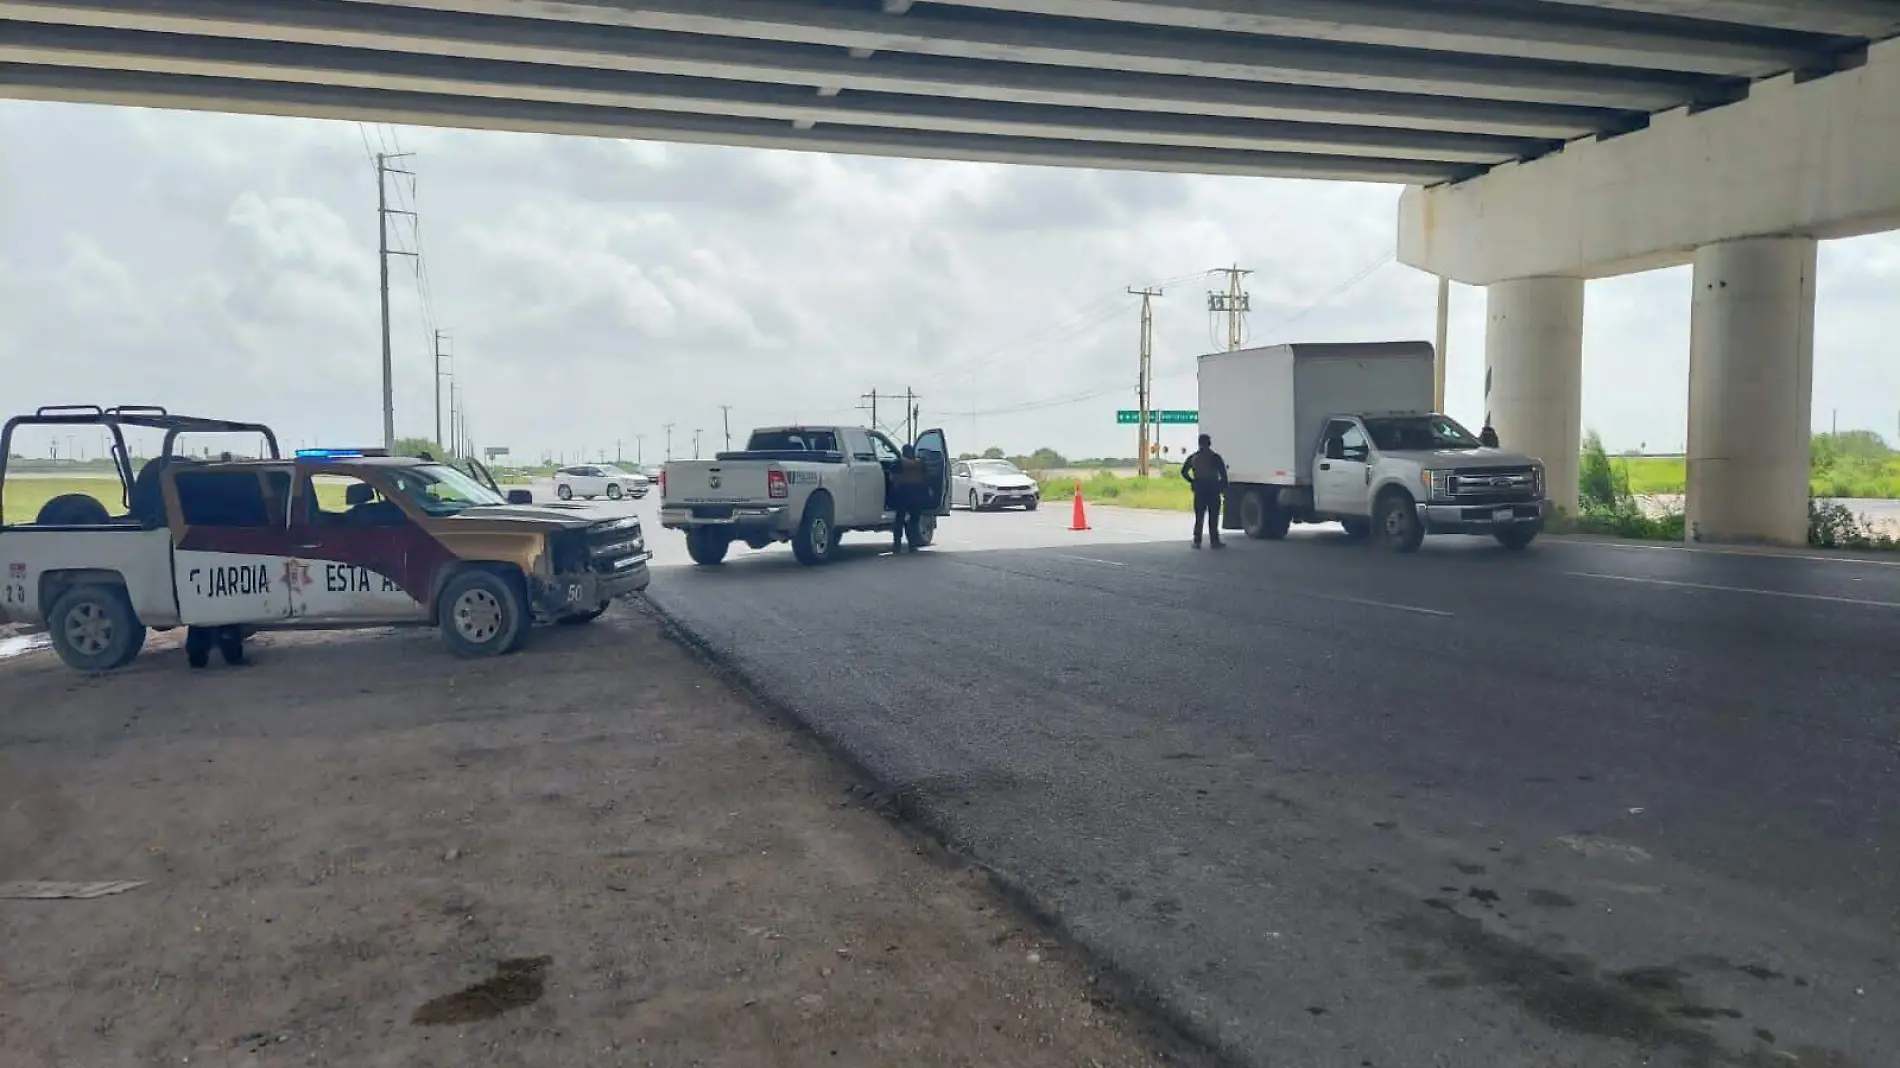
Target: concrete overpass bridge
(1546, 142)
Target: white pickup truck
(1345, 433)
(804, 484)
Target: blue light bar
(338, 454)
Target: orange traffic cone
(1081, 520)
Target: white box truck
(1346, 433)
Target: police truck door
(231, 542)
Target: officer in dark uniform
(1207, 473)
(907, 493)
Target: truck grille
(1494, 485)
(615, 545)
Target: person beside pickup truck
(907, 492)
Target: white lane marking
(1704, 550)
(1737, 589)
(1091, 560)
(1374, 604)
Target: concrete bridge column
(1533, 375)
(1751, 388)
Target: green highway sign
(1177, 416)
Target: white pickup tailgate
(717, 482)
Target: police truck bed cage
(116, 419)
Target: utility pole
(725, 418)
(1235, 302)
(872, 397)
(1144, 380)
(383, 252)
(669, 441)
(910, 416)
(616, 452)
(639, 451)
(437, 390)
(696, 433)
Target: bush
(1606, 506)
(1832, 525)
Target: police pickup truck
(329, 538)
(804, 484)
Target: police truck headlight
(1436, 483)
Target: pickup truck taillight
(662, 481)
(775, 486)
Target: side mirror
(520, 496)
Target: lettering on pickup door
(238, 580)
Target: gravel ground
(360, 851)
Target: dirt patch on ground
(361, 851)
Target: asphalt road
(1587, 805)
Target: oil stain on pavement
(516, 983)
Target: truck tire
(93, 628)
(1516, 535)
(1261, 516)
(1357, 529)
(483, 613)
(816, 537)
(1395, 519)
(923, 531)
(707, 546)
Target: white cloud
(598, 290)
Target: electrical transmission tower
(1144, 379)
(1234, 303)
(383, 212)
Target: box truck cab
(1345, 433)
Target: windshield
(442, 490)
(994, 467)
(1419, 433)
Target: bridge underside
(1404, 91)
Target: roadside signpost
(1159, 416)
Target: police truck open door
(934, 450)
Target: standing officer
(1207, 473)
(907, 491)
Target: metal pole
(382, 262)
(1443, 339)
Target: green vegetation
(1165, 491)
(1607, 504)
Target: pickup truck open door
(934, 450)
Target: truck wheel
(813, 542)
(481, 613)
(1357, 529)
(1396, 517)
(707, 546)
(1516, 535)
(1262, 517)
(923, 531)
(93, 628)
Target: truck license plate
(1503, 515)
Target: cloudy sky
(598, 290)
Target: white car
(980, 484)
(598, 480)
